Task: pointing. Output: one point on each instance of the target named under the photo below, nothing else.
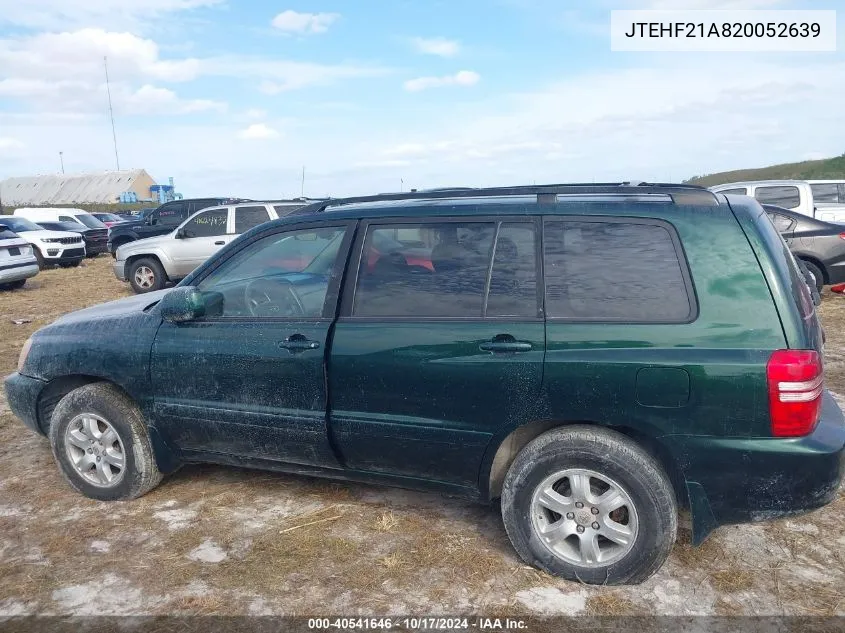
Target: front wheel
(588, 504)
(101, 444)
(13, 285)
(146, 275)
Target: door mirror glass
(180, 234)
(182, 304)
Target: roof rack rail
(680, 193)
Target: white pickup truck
(151, 263)
(796, 195)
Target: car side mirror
(182, 304)
(180, 234)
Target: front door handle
(298, 343)
(505, 343)
(220, 243)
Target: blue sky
(233, 98)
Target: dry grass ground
(217, 540)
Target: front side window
(67, 218)
(284, 275)
(614, 271)
(170, 214)
(249, 217)
(207, 224)
(787, 197)
(739, 191)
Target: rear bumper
(22, 394)
(15, 272)
(93, 249)
(737, 480)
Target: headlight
(51, 240)
(24, 354)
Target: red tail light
(796, 382)
(842, 236)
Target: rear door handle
(298, 343)
(505, 346)
(220, 243)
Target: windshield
(90, 221)
(19, 225)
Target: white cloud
(293, 22)
(7, 142)
(49, 68)
(258, 131)
(255, 113)
(70, 14)
(150, 100)
(461, 78)
(436, 46)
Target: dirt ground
(216, 540)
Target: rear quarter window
(604, 270)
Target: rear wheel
(590, 505)
(101, 444)
(146, 275)
(13, 285)
(815, 273)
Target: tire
(649, 515)
(142, 269)
(109, 407)
(816, 273)
(13, 285)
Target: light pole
(62, 161)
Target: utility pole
(111, 113)
(62, 161)
(302, 189)
(401, 185)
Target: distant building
(106, 187)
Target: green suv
(597, 357)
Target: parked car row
(820, 199)
(151, 263)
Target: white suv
(150, 263)
(62, 248)
(17, 263)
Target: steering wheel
(262, 298)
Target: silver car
(151, 263)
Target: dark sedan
(820, 245)
(96, 239)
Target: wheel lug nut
(570, 515)
(595, 525)
(90, 450)
(578, 504)
(580, 529)
(98, 458)
(594, 510)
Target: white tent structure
(99, 187)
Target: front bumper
(15, 272)
(92, 249)
(737, 480)
(119, 268)
(22, 394)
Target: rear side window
(782, 223)
(513, 283)
(172, 214)
(249, 217)
(741, 191)
(827, 193)
(787, 197)
(615, 271)
(436, 269)
(286, 209)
